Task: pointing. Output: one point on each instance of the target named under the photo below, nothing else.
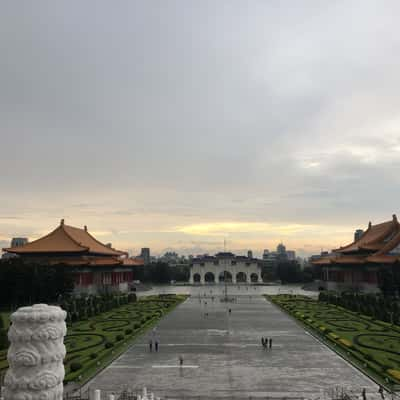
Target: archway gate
(224, 266)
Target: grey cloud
(221, 103)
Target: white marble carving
(36, 353)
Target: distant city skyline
(174, 125)
(213, 245)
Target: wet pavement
(223, 356)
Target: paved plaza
(223, 356)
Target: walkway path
(223, 356)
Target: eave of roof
(373, 237)
(132, 262)
(382, 259)
(322, 261)
(348, 259)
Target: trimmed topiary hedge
(75, 366)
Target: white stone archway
(241, 277)
(254, 278)
(234, 267)
(209, 277)
(225, 276)
(197, 278)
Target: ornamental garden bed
(93, 343)
(372, 345)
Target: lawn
(373, 345)
(95, 342)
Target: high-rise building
(249, 254)
(145, 255)
(271, 258)
(291, 255)
(265, 254)
(357, 234)
(19, 241)
(281, 251)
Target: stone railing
(36, 353)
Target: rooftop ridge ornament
(36, 353)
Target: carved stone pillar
(36, 353)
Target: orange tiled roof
(380, 239)
(83, 261)
(373, 238)
(327, 260)
(132, 261)
(66, 239)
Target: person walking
(380, 390)
(263, 341)
(270, 343)
(364, 394)
(156, 345)
(180, 360)
(151, 344)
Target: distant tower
(19, 241)
(281, 249)
(250, 254)
(357, 234)
(281, 252)
(145, 254)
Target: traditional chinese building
(357, 266)
(96, 266)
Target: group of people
(380, 391)
(266, 342)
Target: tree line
(161, 272)
(25, 283)
(289, 271)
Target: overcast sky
(174, 124)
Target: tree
(386, 281)
(158, 272)
(289, 271)
(27, 283)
